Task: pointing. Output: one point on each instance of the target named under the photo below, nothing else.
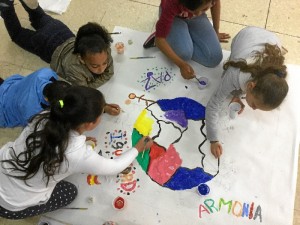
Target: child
(256, 68)
(183, 32)
(22, 97)
(82, 60)
(51, 148)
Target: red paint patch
(162, 168)
(156, 151)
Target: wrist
(212, 142)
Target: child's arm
(93, 163)
(229, 83)
(216, 14)
(186, 70)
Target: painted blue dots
(203, 189)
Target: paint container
(120, 47)
(118, 203)
(203, 189)
(234, 108)
(202, 82)
(91, 143)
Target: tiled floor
(281, 17)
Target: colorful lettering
(225, 203)
(202, 209)
(209, 203)
(235, 205)
(258, 213)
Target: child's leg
(180, 40)
(37, 16)
(17, 33)
(63, 194)
(207, 48)
(49, 34)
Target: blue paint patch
(185, 178)
(192, 109)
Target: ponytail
(92, 38)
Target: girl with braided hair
(255, 68)
(51, 148)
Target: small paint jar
(234, 108)
(119, 47)
(202, 82)
(91, 143)
(203, 189)
(118, 203)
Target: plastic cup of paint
(203, 189)
(118, 203)
(120, 47)
(202, 82)
(234, 108)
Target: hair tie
(61, 102)
(279, 73)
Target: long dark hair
(92, 38)
(268, 72)
(46, 145)
(193, 4)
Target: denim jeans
(48, 35)
(195, 39)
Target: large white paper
(253, 182)
(57, 6)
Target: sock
(32, 4)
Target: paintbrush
(145, 142)
(75, 208)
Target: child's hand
(112, 109)
(144, 143)
(187, 72)
(216, 149)
(91, 141)
(238, 100)
(223, 37)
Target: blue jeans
(195, 39)
(48, 35)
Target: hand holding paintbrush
(143, 144)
